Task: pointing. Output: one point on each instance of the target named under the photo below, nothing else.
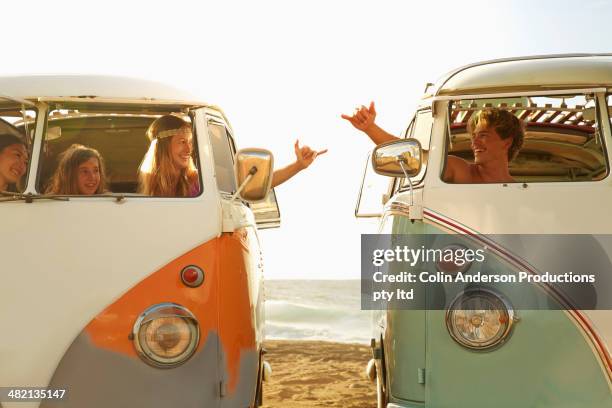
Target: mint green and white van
(534, 358)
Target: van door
(241, 312)
(406, 358)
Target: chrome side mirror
(253, 173)
(399, 158)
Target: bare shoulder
(458, 162)
(457, 170)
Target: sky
(286, 70)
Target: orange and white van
(120, 299)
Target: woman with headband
(168, 170)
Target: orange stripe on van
(110, 329)
(225, 261)
(236, 325)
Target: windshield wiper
(29, 197)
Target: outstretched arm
(304, 158)
(363, 119)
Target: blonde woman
(80, 171)
(168, 170)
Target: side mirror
(399, 158)
(254, 173)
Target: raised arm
(363, 119)
(304, 156)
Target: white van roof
(542, 72)
(55, 87)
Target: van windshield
(561, 140)
(91, 152)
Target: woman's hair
(6, 140)
(158, 172)
(64, 180)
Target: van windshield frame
(124, 119)
(401, 184)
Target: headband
(168, 133)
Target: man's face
(488, 146)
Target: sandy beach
(318, 374)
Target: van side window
(562, 142)
(420, 129)
(223, 151)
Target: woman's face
(181, 147)
(88, 176)
(13, 164)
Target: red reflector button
(192, 276)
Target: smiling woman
(13, 160)
(168, 169)
(79, 172)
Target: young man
(497, 137)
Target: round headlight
(166, 335)
(479, 319)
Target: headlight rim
(154, 312)
(505, 336)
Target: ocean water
(316, 310)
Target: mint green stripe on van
(547, 361)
